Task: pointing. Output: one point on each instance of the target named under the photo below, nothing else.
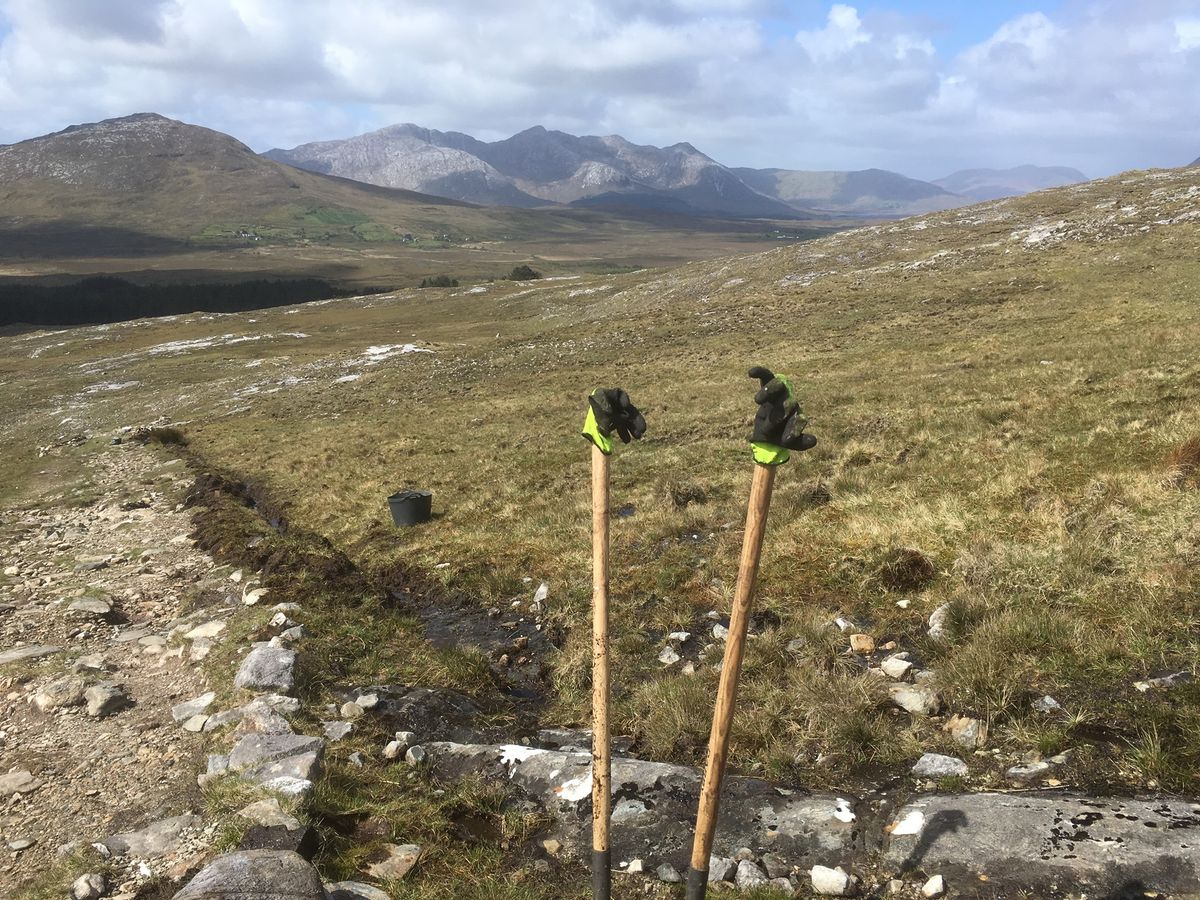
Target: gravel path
(107, 592)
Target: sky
(923, 87)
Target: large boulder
(654, 806)
(1036, 841)
(256, 875)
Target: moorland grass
(1005, 426)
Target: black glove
(779, 424)
(610, 410)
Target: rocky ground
(95, 603)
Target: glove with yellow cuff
(779, 424)
(609, 410)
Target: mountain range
(151, 180)
(537, 167)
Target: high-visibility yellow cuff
(591, 431)
(769, 454)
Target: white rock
(935, 765)
(251, 596)
(636, 867)
(934, 887)
(831, 882)
(88, 887)
(196, 723)
(668, 656)
(207, 630)
(1046, 704)
(968, 733)
(919, 700)
(1028, 772)
(896, 667)
(415, 755)
(939, 622)
(183, 711)
(720, 632)
(680, 637)
(269, 813)
(749, 875)
(367, 701)
(721, 868)
(20, 781)
(92, 606)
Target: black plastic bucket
(411, 507)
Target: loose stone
(88, 887)
(749, 875)
(105, 698)
(399, 861)
(862, 643)
(267, 668)
(667, 874)
(935, 765)
(831, 882)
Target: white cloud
(842, 32)
(1103, 84)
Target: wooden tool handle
(735, 647)
(601, 756)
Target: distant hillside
(539, 167)
(870, 192)
(148, 180)
(993, 184)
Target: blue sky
(958, 24)
(922, 88)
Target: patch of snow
(843, 812)
(110, 386)
(380, 352)
(346, 378)
(581, 292)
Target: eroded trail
(96, 600)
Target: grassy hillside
(1006, 399)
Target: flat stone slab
(181, 712)
(354, 890)
(156, 839)
(256, 875)
(22, 654)
(1037, 841)
(654, 806)
(19, 782)
(256, 749)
